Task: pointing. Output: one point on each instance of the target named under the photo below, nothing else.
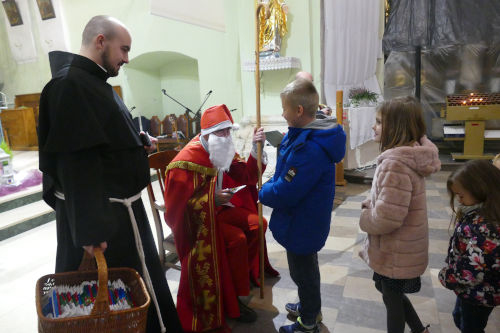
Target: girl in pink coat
(395, 216)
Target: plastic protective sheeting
(440, 23)
(445, 71)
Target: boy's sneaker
(297, 327)
(294, 310)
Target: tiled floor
(350, 302)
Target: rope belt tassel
(138, 244)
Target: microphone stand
(197, 115)
(196, 118)
(176, 101)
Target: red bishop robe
(207, 290)
(244, 214)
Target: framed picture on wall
(46, 9)
(13, 13)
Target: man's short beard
(221, 151)
(107, 65)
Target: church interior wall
(142, 86)
(180, 79)
(22, 78)
(302, 41)
(219, 55)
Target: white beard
(221, 151)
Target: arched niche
(148, 73)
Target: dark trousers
(399, 310)
(304, 270)
(470, 318)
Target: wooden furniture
(166, 246)
(183, 126)
(155, 126)
(20, 129)
(166, 125)
(171, 140)
(474, 110)
(194, 125)
(29, 101)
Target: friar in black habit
(90, 152)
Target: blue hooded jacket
(302, 189)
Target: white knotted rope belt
(138, 244)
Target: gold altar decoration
(273, 28)
(473, 109)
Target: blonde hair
(496, 158)
(402, 122)
(302, 92)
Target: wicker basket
(101, 319)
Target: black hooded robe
(90, 151)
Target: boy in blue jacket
(301, 194)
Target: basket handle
(101, 305)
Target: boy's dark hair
(482, 180)
(302, 92)
(402, 122)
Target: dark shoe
(426, 329)
(294, 310)
(298, 328)
(247, 315)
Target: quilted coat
(395, 217)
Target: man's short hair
(101, 24)
(301, 92)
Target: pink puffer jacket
(395, 218)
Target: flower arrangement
(362, 96)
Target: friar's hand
(153, 141)
(90, 248)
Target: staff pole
(259, 7)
